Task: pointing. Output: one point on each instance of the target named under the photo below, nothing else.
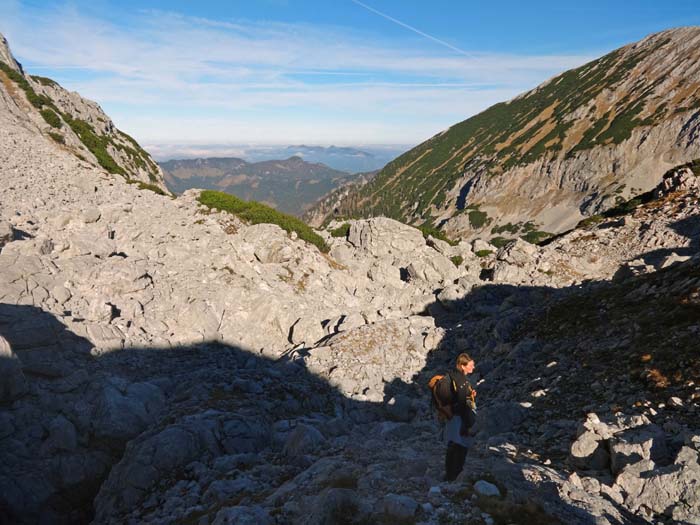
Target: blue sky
(321, 72)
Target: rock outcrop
(72, 123)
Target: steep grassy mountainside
(326, 207)
(573, 146)
(73, 123)
(290, 185)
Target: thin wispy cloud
(411, 28)
(165, 77)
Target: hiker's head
(465, 363)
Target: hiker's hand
(473, 394)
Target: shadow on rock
(213, 433)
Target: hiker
(456, 405)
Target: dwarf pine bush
(257, 213)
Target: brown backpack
(443, 390)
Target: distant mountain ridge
(575, 145)
(351, 158)
(290, 185)
(344, 158)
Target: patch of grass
(483, 253)
(153, 188)
(508, 227)
(478, 218)
(138, 155)
(45, 81)
(457, 260)
(499, 242)
(536, 237)
(51, 118)
(38, 101)
(257, 213)
(590, 221)
(57, 137)
(427, 229)
(341, 231)
(96, 144)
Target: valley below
(291, 185)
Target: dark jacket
(462, 405)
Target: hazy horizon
(163, 152)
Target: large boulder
(270, 243)
(589, 452)
(306, 330)
(615, 443)
(303, 440)
(642, 443)
(125, 410)
(361, 361)
(672, 491)
(517, 252)
(381, 236)
(504, 272)
(433, 269)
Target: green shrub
(457, 260)
(257, 213)
(44, 81)
(38, 101)
(341, 231)
(499, 242)
(508, 227)
(51, 118)
(535, 237)
(138, 155)
(95, 144)
(428, 229)
(57, 137)
(153, 188)
(483, 253)
(590, 221)
(695, 167)
(477, 218)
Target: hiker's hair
(463, 359)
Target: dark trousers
(454, 460)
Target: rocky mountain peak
(6, 55)
(72, 123)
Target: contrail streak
(411, 28)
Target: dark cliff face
(608, 129)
